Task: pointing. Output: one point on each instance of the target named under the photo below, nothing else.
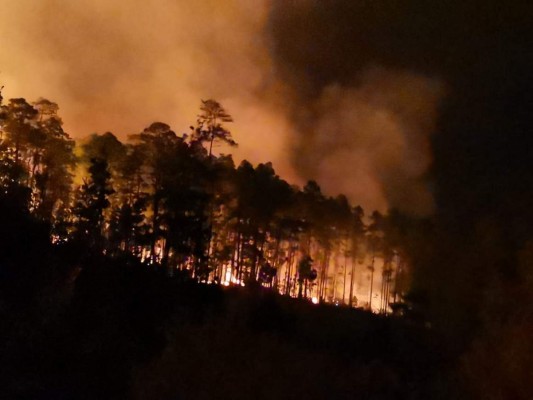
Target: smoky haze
(119, 66)
(371, 140)
(355, 124)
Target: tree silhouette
(305, 275)
(92, 200)
(209, 124)
(53, 165)
(19, 128)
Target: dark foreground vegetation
(120, 330)
(77, 324)
(111, 287)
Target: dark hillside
(121, 330)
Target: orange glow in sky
(118, 66)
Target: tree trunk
(344, 280)
(288, 272)
(371, 280)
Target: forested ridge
(157, 268)
(168, 200)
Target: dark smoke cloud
(371, 141)
(363, 121)
(466, 62)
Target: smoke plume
(118, 66)
(301, 97)
(371, 141)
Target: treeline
(74, 215)
(168, 200)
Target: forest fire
(170, 202)
(266, 199)
(372, 281)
